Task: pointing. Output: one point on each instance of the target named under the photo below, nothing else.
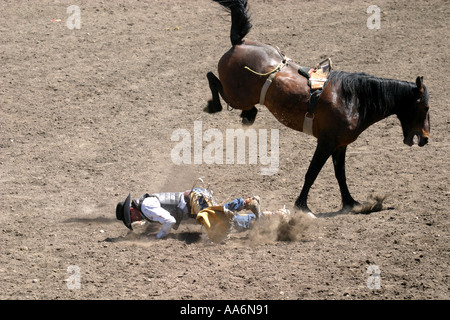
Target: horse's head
(416, 121)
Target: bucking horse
(252, 73)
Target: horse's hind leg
(214, 104)
(248, 116)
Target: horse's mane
(374, 95)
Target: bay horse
(348, 104)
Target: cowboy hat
(123, 212)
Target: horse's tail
(240, 21)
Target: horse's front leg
(339, 170)
(321, 155)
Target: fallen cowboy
(170, 208)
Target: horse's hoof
(213, 107)
(305, 210)
(247, 122)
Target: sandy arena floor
(87, 115)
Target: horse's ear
(419, 84)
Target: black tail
(240, 21)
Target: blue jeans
(242, 222)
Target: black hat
(123, 212)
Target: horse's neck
(392, 98)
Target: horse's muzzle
(421, 140)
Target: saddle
(317, 80)
(317, 76)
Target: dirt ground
(87, 116)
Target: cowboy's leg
(235, 205)
(243, 222)
(238, 204)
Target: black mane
(373, 95)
